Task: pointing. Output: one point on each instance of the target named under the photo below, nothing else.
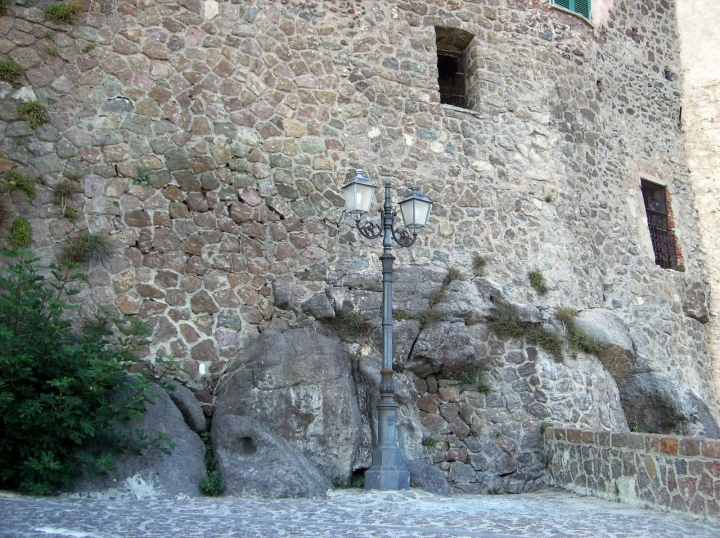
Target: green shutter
(581, 7)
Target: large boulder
(254, 461)
(654, 401)
(443, 348)
(299, 385)
(177, 474)
(618, 353)
(426, 477)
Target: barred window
(580, 7)
(452, 65)
(660, 225)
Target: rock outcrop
(177, 473)
(299, 385)
(254, 461)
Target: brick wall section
(666, 472)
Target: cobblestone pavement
(341, 514)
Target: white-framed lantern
(358, 193)
(415, 209)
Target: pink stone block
(226, 338)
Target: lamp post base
(388, 472)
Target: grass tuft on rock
(576, 337)
(348, 326)
(537, 281)
(478, 265)
(20, 233)
(11, 71)
(85, 248)
(505, 320)
(14, 179)
(64, 13)
(34, 113)
(548, 340)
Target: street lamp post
(387, 471)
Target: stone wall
(210, 140)
(678, 474)
(697, 23)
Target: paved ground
(343, 514)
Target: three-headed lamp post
(387, 471)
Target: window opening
(451, 78)
(580, 7)
(452, 65)
(658, 218)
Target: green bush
(63, 13)
(20, 233)
(11, 71)
(33, 112)
(14, 179)
(4, 7)
(63, 384)
(85, 248)
(211, 485)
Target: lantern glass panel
(358, 197)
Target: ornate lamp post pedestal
(388, 471)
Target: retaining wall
(666, 472)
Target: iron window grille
(452, 77)
(661, 235)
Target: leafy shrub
(33, 112)
(63, 391)
(63, 13)
(11, 71)
(537, 281)
(4, 7)
(14, 179)
(478, 265)
(211, 485)
(85, 248)
(20, 233)
(506, 320)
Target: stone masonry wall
(209, 140)
(697, 23)
(679, 474)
